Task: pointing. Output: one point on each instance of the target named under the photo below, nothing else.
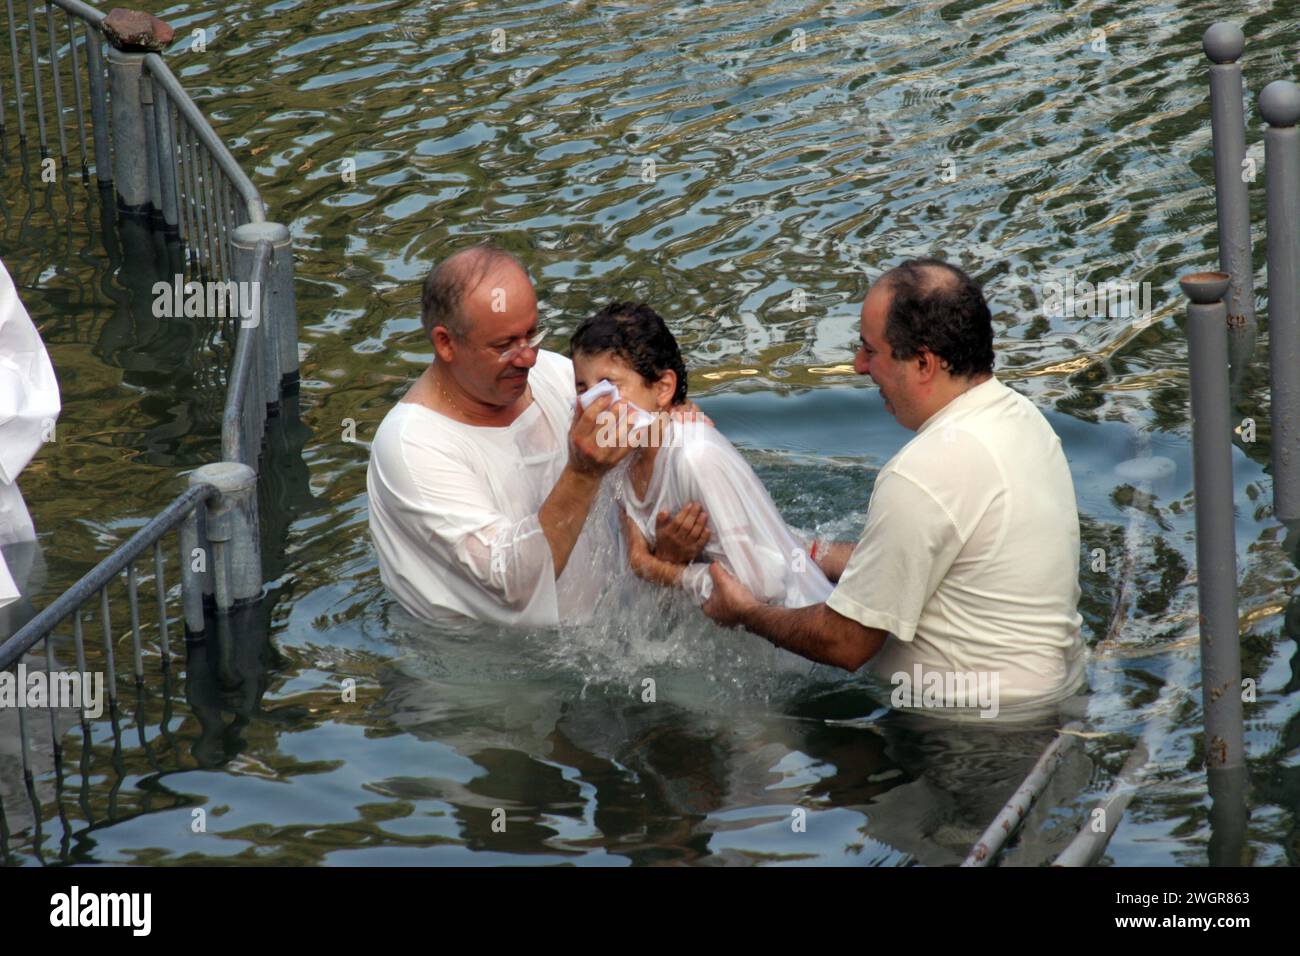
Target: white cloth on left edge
(29, 405)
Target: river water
(747, 168)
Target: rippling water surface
(729, 163)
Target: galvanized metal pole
(282, 312)
(151, 147)
(1216, 540)
(130, 154)
(98, 104)
(18, 73)
(196, 563)
(232, 526)
(261, 324)
(1223, 44)
(166, 140)
(1280, 106)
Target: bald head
(927, 277)
(447, 286)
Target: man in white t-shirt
(482, 478)
(963, 588)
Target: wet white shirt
(970, 554)
(750, 538)
(29, 405)
(454, 511)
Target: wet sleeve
(746, 525)
(505, 559)
(8, 590)
(29, 395)
(906, 548)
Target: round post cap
(1279, 103)
(1205, 288)
(1223, 42)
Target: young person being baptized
(679, 462)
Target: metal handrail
(161, 73)
(84, 10)
(103, 573)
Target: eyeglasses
(518, 345)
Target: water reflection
(775, 170)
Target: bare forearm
(832, 556)
(814, 632)
(564, 512)
(664, 573)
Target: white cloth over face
(454, 511)
(29, 405)
(695, 462)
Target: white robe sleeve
(502, 567)
(29, 392)
(756, 545)
(8, 590)
(906, 548)
(29, 404)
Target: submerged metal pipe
(1216, 541)
(1280, 105)
(1008, 821)
(1089, 843)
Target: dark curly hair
(938, 307)
(639, 336)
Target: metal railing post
(245, 240)
(98, 104)
(1216, 539)
(232, 526)
(130, 152)
(284, 307)
(282, 313)
(1223, 44)
(196, 563)
(1280, 105)
(149, 114)
(166, 140)
(18, 73)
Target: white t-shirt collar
(982, 394)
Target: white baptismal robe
(454, 511)
(29, 405)
(750, 538)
